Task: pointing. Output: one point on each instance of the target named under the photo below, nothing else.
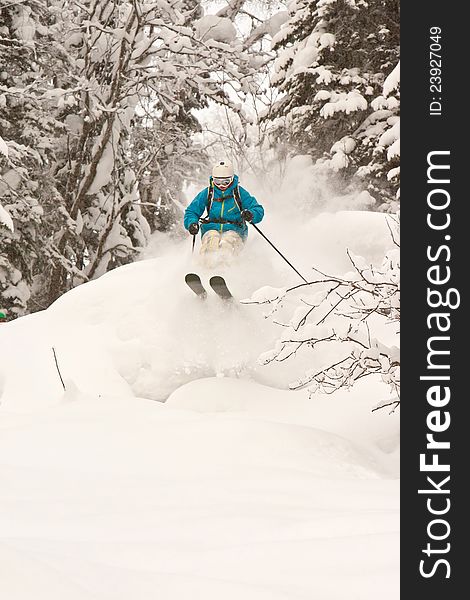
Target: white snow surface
(175, 466)
(212, 27)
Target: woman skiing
(229, 207)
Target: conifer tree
(334, 57)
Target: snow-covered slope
(231, 488)
(139, 329)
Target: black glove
(193, 228)
(247, 215)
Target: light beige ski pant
(217, 245)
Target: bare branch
(57, 367)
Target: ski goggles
(223, 181)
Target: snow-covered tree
(96, 114)
(337, 66)
(166, 156)
(242, 135)
(27, 131)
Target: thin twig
(57, 367)
(394, 403)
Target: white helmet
(224, 168)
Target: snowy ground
(233, 487)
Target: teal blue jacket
(223, 207)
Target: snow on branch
(5, 219)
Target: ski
(194, 282)
(219, 286)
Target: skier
(229, 207)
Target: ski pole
(194, 243)
(280, 253)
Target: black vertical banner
(434, 250)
